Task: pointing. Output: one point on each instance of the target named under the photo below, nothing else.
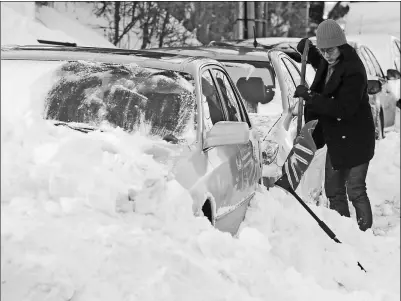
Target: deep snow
(70, 232)
(22, 23)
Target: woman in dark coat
(339, 100)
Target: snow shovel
(304, 58)
(298, 161)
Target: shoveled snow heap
(94, 217)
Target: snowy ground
(69, 231)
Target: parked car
(386, 48)
(192, 103)
(267, 82)
(386, 99)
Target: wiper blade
(57, 43)
(82, 129)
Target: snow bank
(83, 35)
(17, 28)
(373, 17)
(21, 25)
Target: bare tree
(153, 22)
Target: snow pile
(18, 28)
(23, 26)
(373, 17)
(383, 182)
(95, 217)
(81, 34)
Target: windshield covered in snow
(255, 81)
(154, 101)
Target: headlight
(269, 153)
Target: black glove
(301, 45)
(302, 91)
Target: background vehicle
(267, 82)
(386, 48)
(191, 103)
(385, 99)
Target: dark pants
(352, 182)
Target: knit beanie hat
(330, 34)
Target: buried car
(190, 103)
(267, 80)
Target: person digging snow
(339, 100)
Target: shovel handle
(303, 82)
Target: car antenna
(57, 43)
(255, 43)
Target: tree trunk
(162, 34)
(116, 22)
(259, 19)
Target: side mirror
(227, 133)
(393, 74)
(374, 86)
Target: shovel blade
(299, 158)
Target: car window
(255, 80)
(154, 102)
(294, 72)
(370, 69)
(212, 108)
(376, 66)
(229, 99)
(290, 84)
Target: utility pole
(259, 19)
(239, 26)
(266, 17)
(250, 16)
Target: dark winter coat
(345, 121)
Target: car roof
(269, 41)
(236, 53)
(283, 44)
(157, 60)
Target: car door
(224, 183)
(278, 141)
(292, 77)
(250, 151)
(387, 98)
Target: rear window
(157, 102)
